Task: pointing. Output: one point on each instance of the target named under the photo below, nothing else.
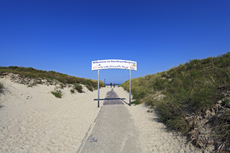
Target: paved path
(114, 130)
(112, 94)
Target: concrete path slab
(112, 94)
(114, 131)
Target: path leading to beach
(114, 130)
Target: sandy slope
(33, 120)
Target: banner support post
(98, 88)
(129, 87)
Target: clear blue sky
(66, 35)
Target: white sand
(33, 120)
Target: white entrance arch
(114, 64)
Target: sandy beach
(33, 120)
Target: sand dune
(33, 120)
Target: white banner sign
(114, 64)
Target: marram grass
(51, 75)
(188, 89)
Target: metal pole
(129, 87)
(98, 88)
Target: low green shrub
(1, 86)
(72, 91)
(90, 88)
(78, 87)
(57, 94)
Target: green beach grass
(187, 90)
(1, 86)
(51, 75)
(57, 94)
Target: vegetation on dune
(90, 87)
(78, 87)
(72, 90)
(191, 89)
(51, 75)
(57, 94)
(1, 86)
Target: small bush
(1, 86)
(72, 91)
(31, 85)
(78, 87)
(90, 88)
(57, 94)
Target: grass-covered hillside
(51, 75)
(193, 98)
